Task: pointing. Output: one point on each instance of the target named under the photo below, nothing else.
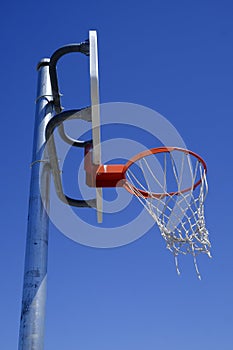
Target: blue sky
(176, 58)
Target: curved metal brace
(83, 114)
(68, 139)
(82, 48)
(56, 121)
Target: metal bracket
(56, 121)
(82, 48)
(59, 118)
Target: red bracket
(103, 175)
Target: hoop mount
(114, 175)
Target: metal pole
(31, 334)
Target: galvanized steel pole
(31, 335)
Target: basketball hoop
(171, 184)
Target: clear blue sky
(172, 56)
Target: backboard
(95, 112)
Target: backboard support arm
(55, 122)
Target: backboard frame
(95, 115)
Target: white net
(176, 185)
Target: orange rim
(140, 193)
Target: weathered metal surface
(31, 335)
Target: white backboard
(95, 110)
